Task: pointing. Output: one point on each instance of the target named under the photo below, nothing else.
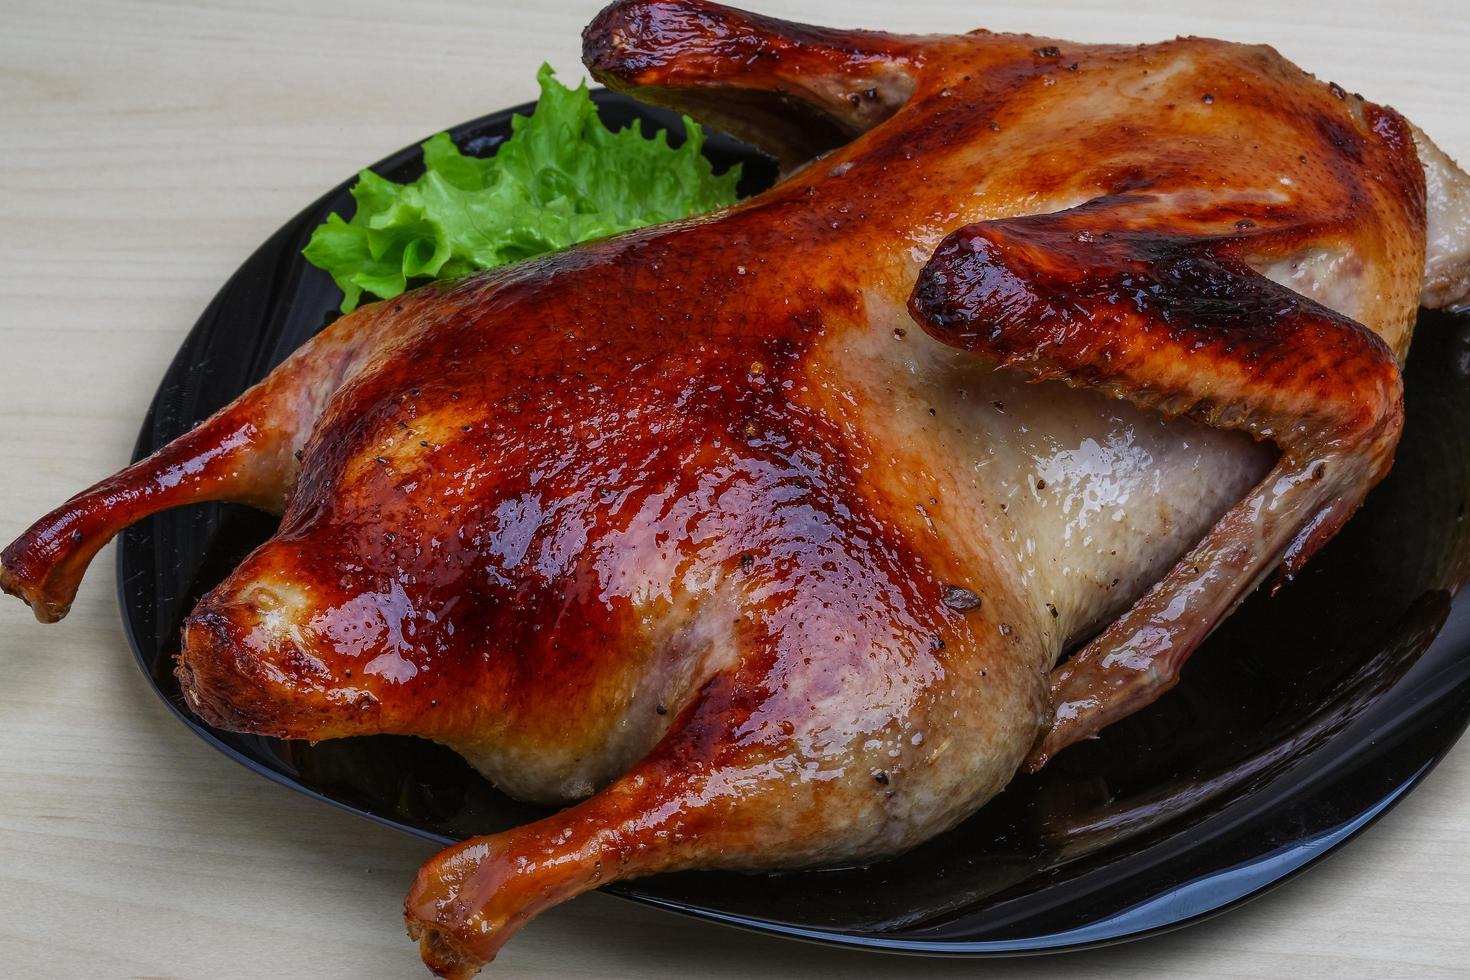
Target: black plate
(1303, 719)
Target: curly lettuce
(561, 178)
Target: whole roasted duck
(752, 533)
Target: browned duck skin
(696, 530)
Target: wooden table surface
(145, 149)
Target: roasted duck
(753, 536)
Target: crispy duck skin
(758, 537)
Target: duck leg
(244, 453)
(857, 716)
(1133, 296)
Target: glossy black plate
(1302, 720)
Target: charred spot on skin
(660, 709)
(365, 701)
(1053, 610)
(1208, 98)
(1337, 90)
(959, 598)
(747, 561)
(880, 777)
(1341, 137)
(1050, 51)
(76, 536)
(1319, 471)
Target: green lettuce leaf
(562, 178)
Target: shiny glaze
(698, 522)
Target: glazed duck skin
(754, 533)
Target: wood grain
(145, 149)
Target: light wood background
(145, 149)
